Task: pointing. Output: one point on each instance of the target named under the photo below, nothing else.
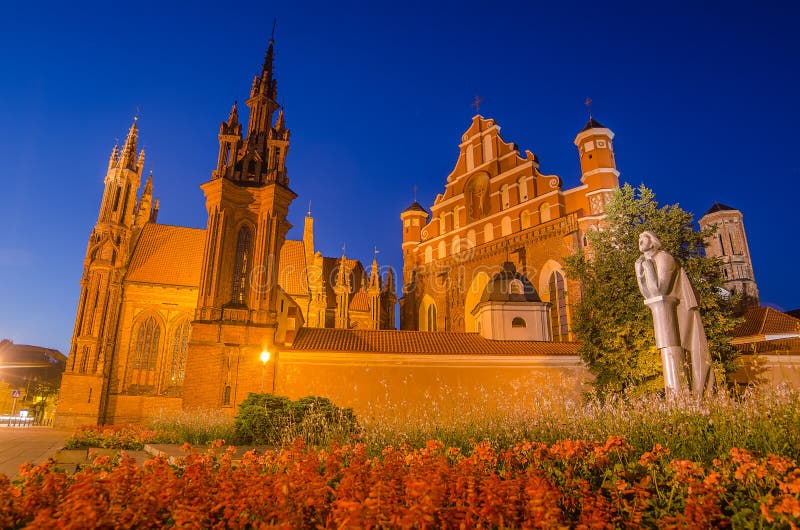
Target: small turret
(598, 166)
(414, 218)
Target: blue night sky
(704, 103)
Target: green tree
(611, 320)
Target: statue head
(649, 242)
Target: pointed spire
(144, 211)
(281, 121)
(127, 158)
(343, 278)
(112, 161)
(233, 117)
(374, 274)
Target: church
(173, 318)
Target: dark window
(518, 322)
(432, 324)
(241, 266)
(146, 353)
(558, 311)
(226, 395)
(180, 343)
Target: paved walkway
(28, 444)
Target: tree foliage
(611, 320)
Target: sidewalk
(28, 444)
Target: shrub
(267, 419)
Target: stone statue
(676, 319)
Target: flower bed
(130, 437)
(531, 485)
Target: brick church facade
(170, 316)
(498, 206)
(174, 318)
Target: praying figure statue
(676, 319)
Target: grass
(196, 427)
(766, 420)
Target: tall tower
(83, 387)
(598, 166)
(414, 218)
(247, 200)
(729, 243)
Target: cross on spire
(589, 106)
(415, 193)
(477, 104)
(375, 253)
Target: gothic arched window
(558, 310)
(432, 324)
(146, 353)
(180, 342)
(241, 266)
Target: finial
(309, 209)
(274, 23)
(477, 104)
(589, 106)
(344, 249)
(415, 193)
(375, 253)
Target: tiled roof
(168, 255)
(718, 207)
(765, 321)
(420, 342)
(292, 275)
(359, 302)
(415, 207)
(592, 124)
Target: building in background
(729, 243)
(29, 380)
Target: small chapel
(174, 318)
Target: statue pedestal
(665, 325)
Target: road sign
(16, 394)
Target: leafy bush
(267, 419)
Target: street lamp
(264, 360)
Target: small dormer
(510, 309)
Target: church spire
(127, 159)
(144, 211)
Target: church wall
(79, 400)
(448, 281)
(772, 370)
(393, 386)
(140, 409)
(170, 306)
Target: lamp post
(264, 360)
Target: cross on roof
(477, 104)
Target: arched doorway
(471, 299)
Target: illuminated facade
(729, 244)
(498, 206)
(171, 316)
